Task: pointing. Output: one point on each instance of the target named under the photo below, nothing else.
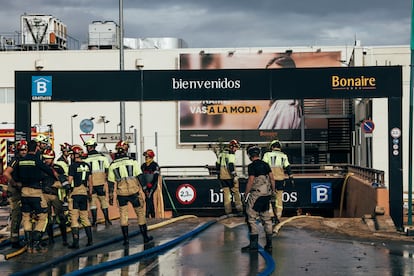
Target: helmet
(253, 151)
(121, 146)
(275, 144)
(234, 143)
(77, 149)
(22, 145)
(91, 142)
(149, 152)
(65, 147)
(49, 154)
(40, 138)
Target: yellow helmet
(91, 142)
(40, 138)
(275, 144)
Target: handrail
(368, 174)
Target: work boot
(63, 233)
(88, 231)
(37, 246)
(268, 246)
(106, 215)
(125, 234)
(49, 230)
(75, 237)
(94, 213)
(29, 241)
(144, 231)
(254, 244)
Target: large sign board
(210, 121)
(220, 85)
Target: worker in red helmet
(14, 195)
(123, 176)
(79, 179)
(50, 189)
(226, 169)
(149, 181)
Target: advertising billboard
(212, 121)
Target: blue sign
(86, 125)
(41, 87)
(321, 193)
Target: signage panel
(113, 137)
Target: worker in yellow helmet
(279, 163)
(226, 168)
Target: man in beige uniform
(99, 164)
(279, 163)
(123, 177)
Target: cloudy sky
(231, 23)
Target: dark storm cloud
(228, 23)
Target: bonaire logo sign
(41, 88)
(353, 83)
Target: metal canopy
(224, 84)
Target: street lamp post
(104, 121)
(71, 127)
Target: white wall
(161, 117)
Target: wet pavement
(302, 247)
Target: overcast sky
(231, 23)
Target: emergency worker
(14, 195)
(50, 188)
(64, 161)
(79, 179)
(279, 163)
(43, 143)
(123, 176)
(225, 166)
(30, 172)
(260, 185)
(99, 164)
(149, 181)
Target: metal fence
(368, 174)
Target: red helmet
(121, 146)
(49, 154)
(234, 143)
(149, 152)
(22, 145)
(76, 149)
(65, 147)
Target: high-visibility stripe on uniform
(3, 153)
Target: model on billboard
(282, 114)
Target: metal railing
(368, 174)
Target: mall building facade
(331, 130)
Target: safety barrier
(369, 174)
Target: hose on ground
(71, 255)
(278, 226)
